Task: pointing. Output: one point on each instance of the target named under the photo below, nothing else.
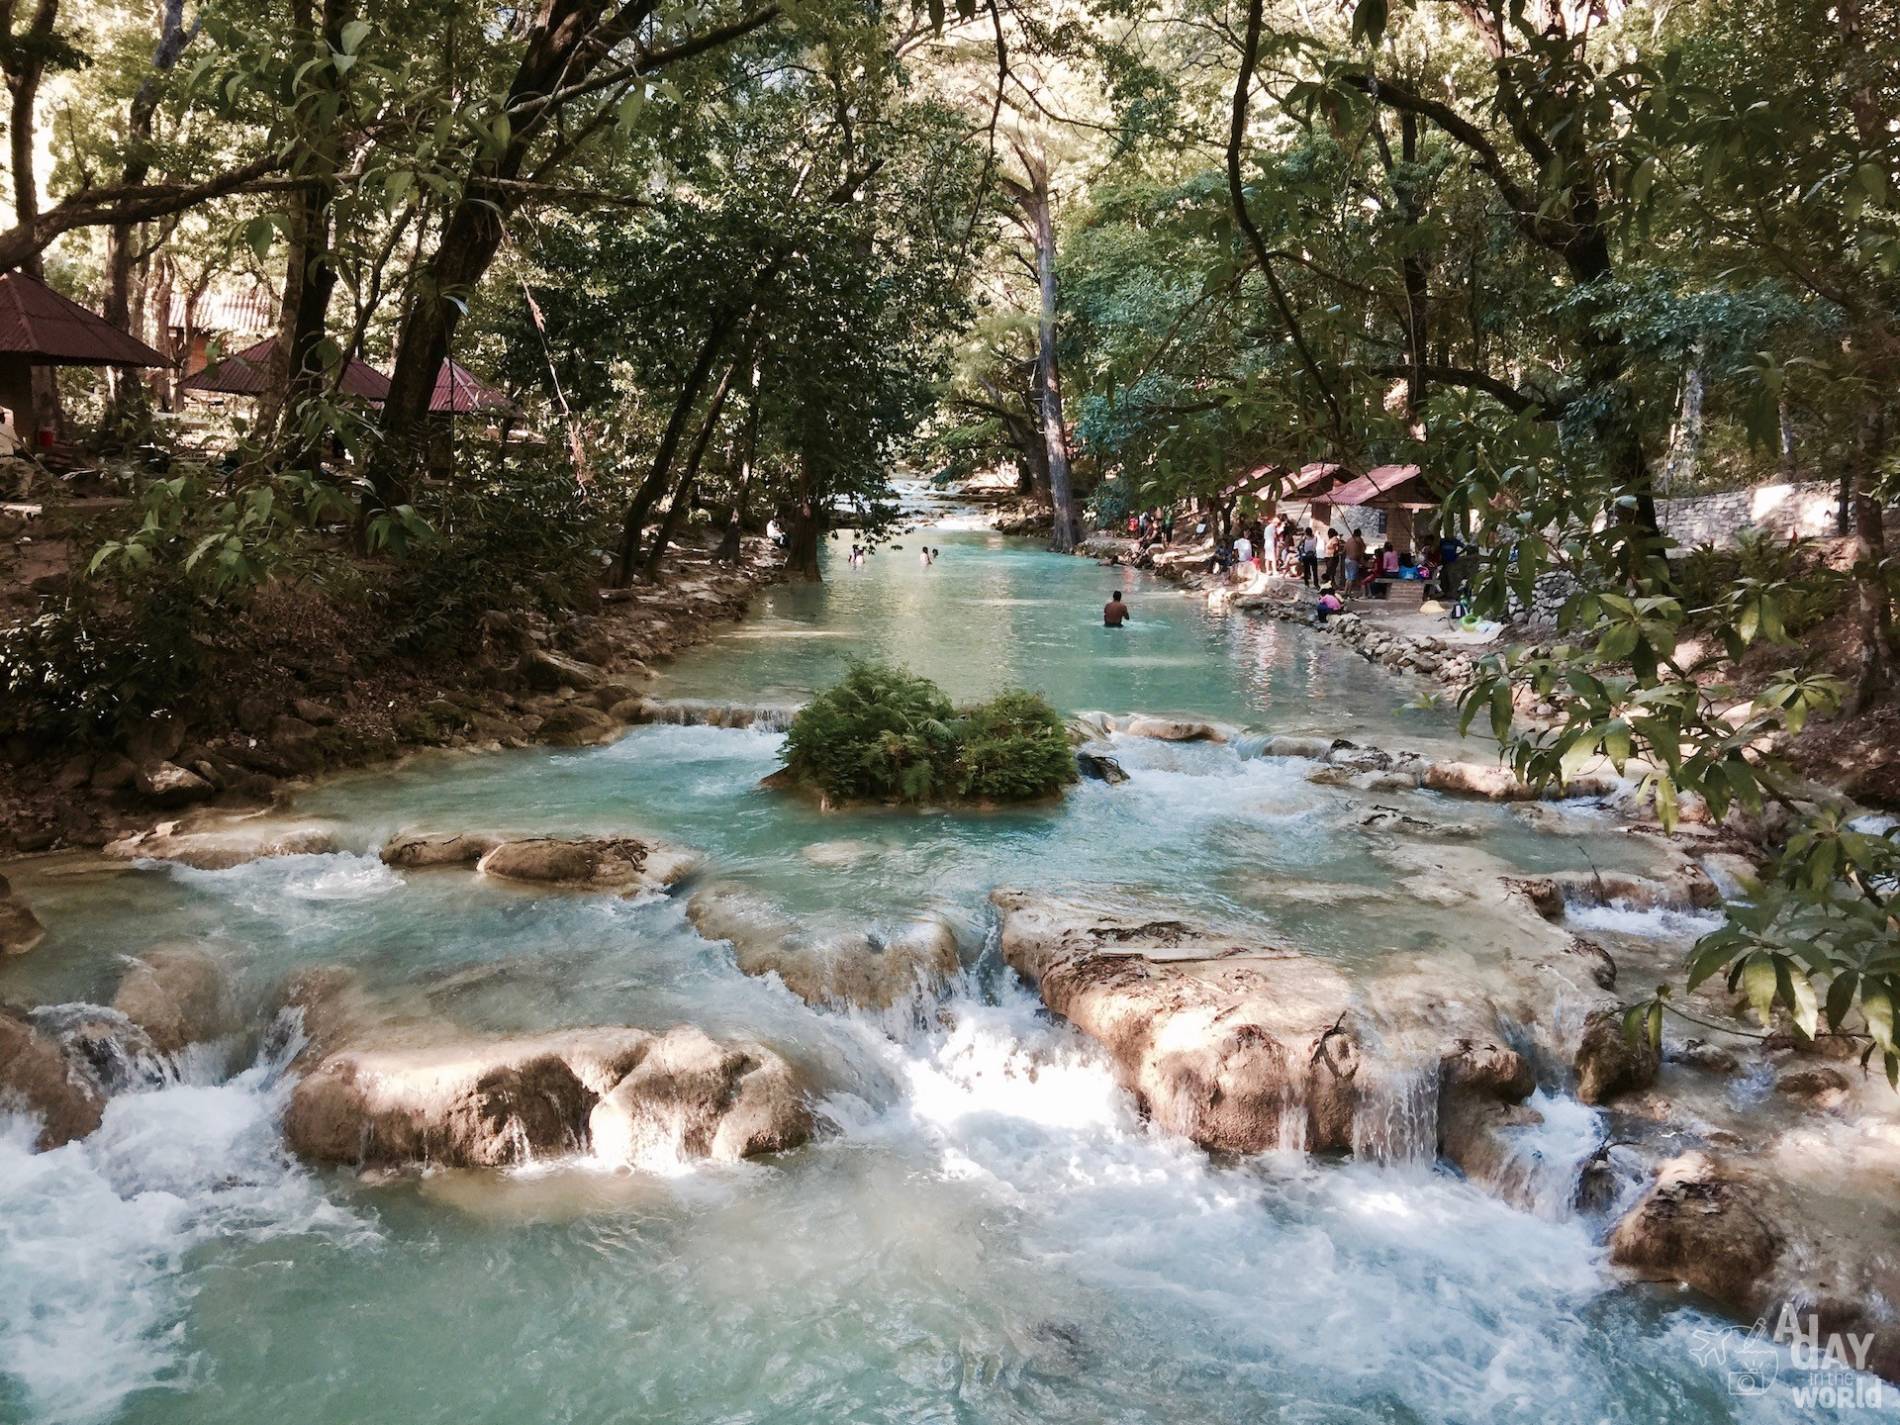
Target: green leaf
(1761, 984)
(1369, 19)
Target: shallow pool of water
(984, 1232)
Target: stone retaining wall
(1806, 509)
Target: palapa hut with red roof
(247, 373)
(38, 327)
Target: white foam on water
(1397, 1291)
(1547, 1157)
(94, 1235)
(1654, 922)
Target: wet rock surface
(404, 1096)
(177, 994)
(37, 1077)
(868, 969)
(218, 844)
(20, 928)
(622, 864)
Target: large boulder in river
(177, 994)
(37, 1078)
(864, 969)
(218, 845)
(1501, 784)
(491, 1102)
(1708, 1225)
(20, 929)
(690, 1097)
(622, 864)
(413, 850)
(1165, 729)
(1609, 1062)
(1239, 1047)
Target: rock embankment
(570, 680)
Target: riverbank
(322, 699)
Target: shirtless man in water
(1114, 612)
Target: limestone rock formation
(621, 864)
(1240, 1049)
(856, 968)
(413, 850)
(20, 929)
(170, 785)
(1707, 1225)
(387, 1100)
(178, 995)
(1172, 729)
(37, 1078)
(218, 844)
(1500, 784)
(690, 1097)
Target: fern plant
(884, 734)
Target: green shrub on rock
(1012, 748)
(880, 733)
(883, 734)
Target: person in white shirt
(1243, 556)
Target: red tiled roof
(461, 391)
(246, 373)
(37, 322)
(1384, 483)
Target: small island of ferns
(884, 735)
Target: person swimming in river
(1114, 612)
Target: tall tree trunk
(1055, 436)
(1873, 666)
(658, 477)
(1685, 448)
(129, 397)
(689, 478)
(310, 275)
(25, 65)
(807, 528)
(732, 541)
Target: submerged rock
(855, 968)
(218, 845)
(1382, 818)
(414, 850)
(623, 864)
(36, 1077)
(475, 1102)
(20, 929)
(178, 995)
